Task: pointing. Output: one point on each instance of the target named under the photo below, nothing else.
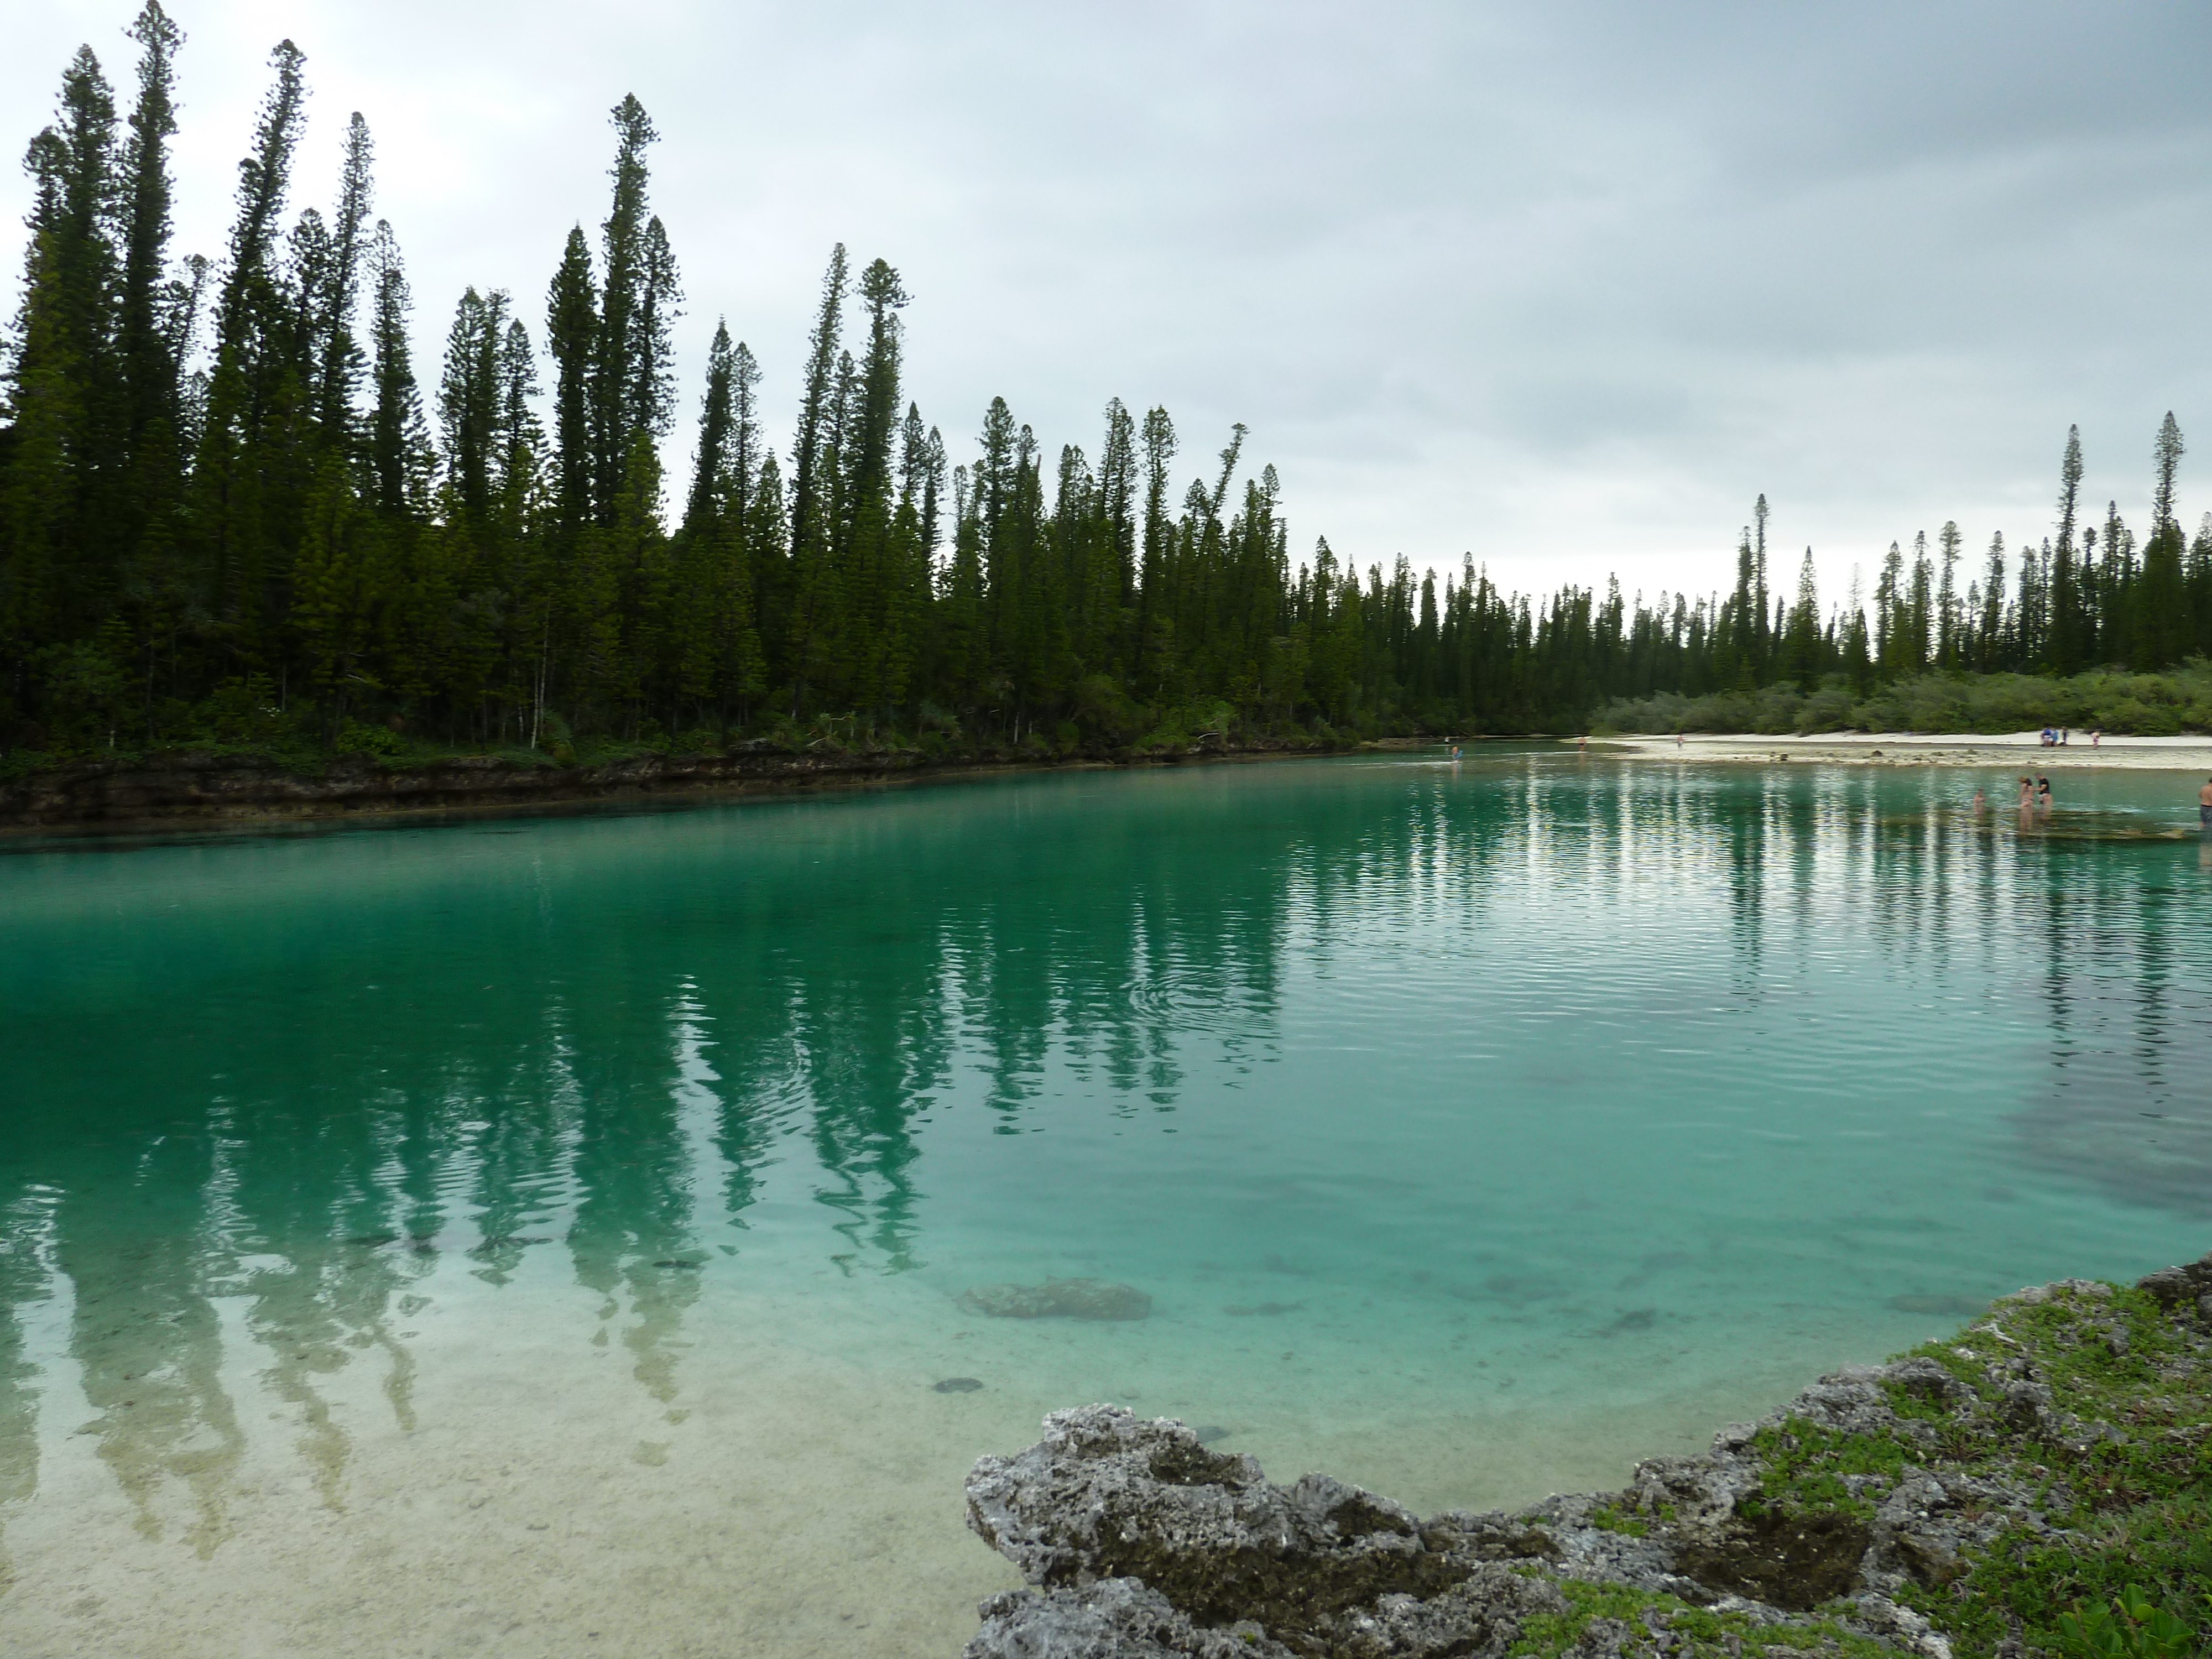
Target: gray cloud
(1561, 285)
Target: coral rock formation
(1948, 1496)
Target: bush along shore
(246, 783)
(2165, 705)
(2041, 1483)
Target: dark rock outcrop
(1107, 1495)
(1790, 1561)
(1132, 1532)
(2186, 1288)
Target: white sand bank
(2019, 751)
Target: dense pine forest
(234, 511)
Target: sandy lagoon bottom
(720, 1474)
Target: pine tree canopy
(229, 496)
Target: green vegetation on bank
(2125, 1481)
(2049, 1478)
(223, 483)
(1638, 1621)
(242, 725)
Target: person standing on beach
(2204, 805)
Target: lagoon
(548, 1235)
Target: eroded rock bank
(190, 787)
(1960, 1500)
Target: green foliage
(243, 709)
(1611, 1518)
(2040, 1586)
(91, 691)
(1807, 1467)
(2133, 1628)
(354, 738)
(2108, 699)
(1689, 1630)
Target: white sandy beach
(2019, 750)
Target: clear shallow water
(594, 1192)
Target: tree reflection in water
(279, 1083)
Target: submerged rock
(1057, 1298)
(959, 1385)
(1792, 1535)
(1960, 1307)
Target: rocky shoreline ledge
(1966, 1499)
(188, 788)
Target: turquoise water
(1472, 1131)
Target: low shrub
(2110, 700)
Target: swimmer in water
(2204, 807)
(1981, 804)
(2043, 796)
(2028, 794)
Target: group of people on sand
(2056, 737)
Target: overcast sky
(1564, 286)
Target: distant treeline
(228, 505)
(2109, 700)
(1939, 651)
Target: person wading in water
(2204, 805)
